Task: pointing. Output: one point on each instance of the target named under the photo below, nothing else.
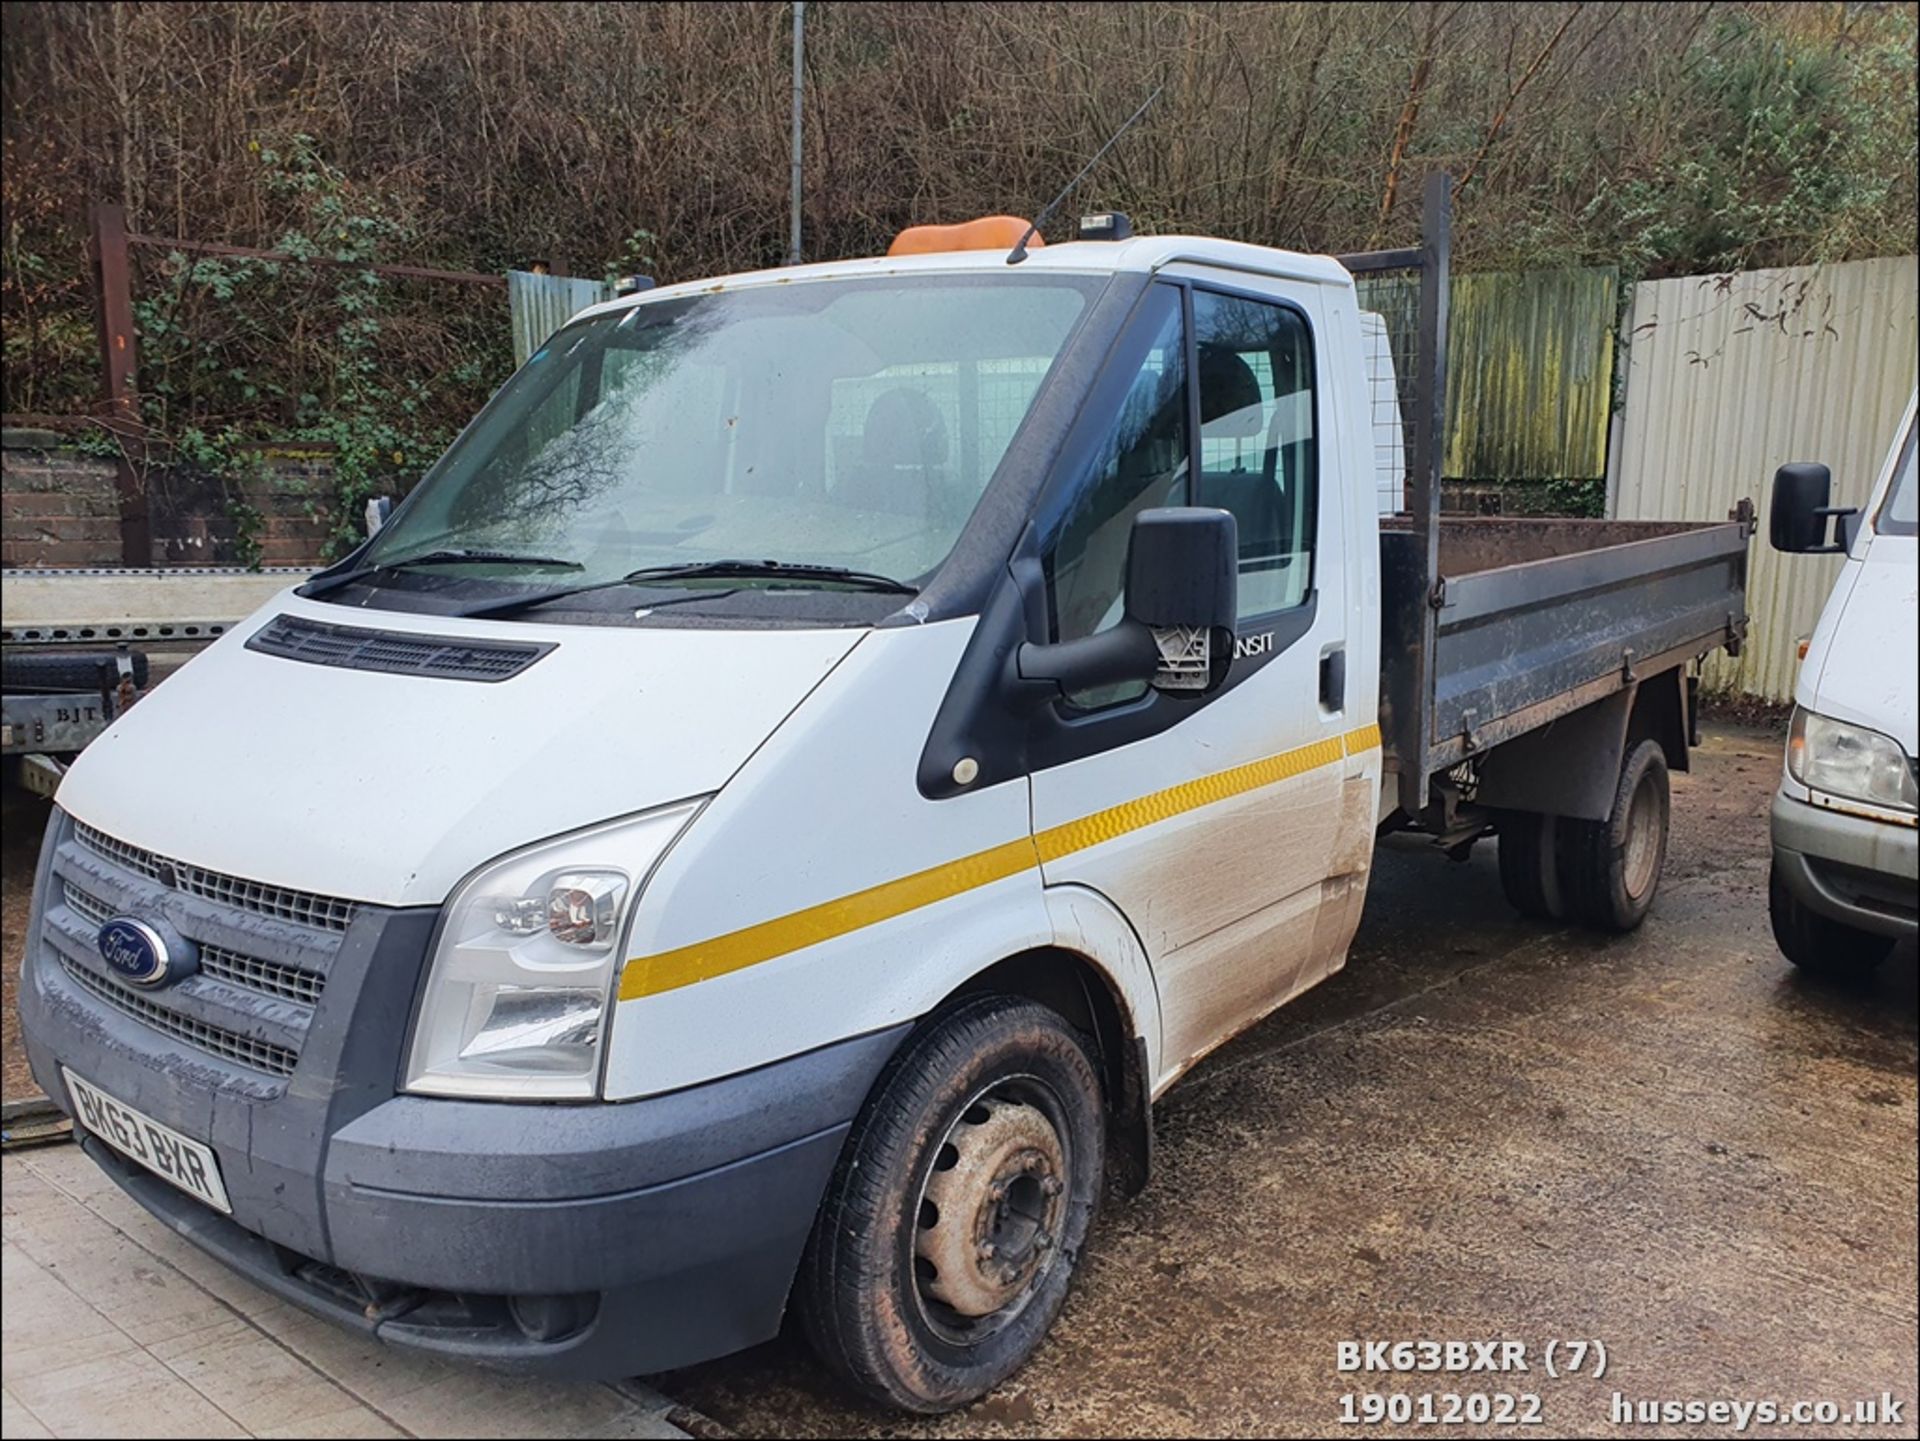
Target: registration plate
(161, 1149)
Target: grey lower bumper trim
(722, 1250)
(1860, 872)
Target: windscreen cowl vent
(444, 657)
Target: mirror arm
(1846, 527)
(1123, 652)
(1842, 537)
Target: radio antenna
(1019, 252)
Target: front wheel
(955, 1217)
(1818, 945)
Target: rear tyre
(1818, 945)
(953, 1222)
(1610, 869)
(1530, 864)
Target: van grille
(214, 1040)
(291, 983)
(271, 978)
(446, 657)
(302, 907)
(78, 901)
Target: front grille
(356, 648)
(292, 983)
(97, 911)
(272, 978)
(214, 1040)
(303, 907)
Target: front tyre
(1817, 944)
(953, 1222)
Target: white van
(816, 759)
(1845, 883)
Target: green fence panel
(1530, 375)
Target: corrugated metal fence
(1530, 372)
(1731, 376)
(541, 304)
(1530, 375)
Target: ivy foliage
(241, 355)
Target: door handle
(1333, 679)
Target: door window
(1258, 456)
(1143, 463)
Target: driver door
(1215, 823)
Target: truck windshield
(842, 424)
(1900, 511)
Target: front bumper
(1852, 869)
(592, 1240)
(446, 1234)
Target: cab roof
(1143, 254)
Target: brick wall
(59, 507)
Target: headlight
(528, 955)
(1828, 755)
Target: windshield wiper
(773, 569)
(441, 557)
(703, 570)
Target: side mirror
(1183, 585)
(379, 507)
(1798, 515)
(1183, 573)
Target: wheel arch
(1571, 766)
(1083, 960)
(1077, 988)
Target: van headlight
(1830, 755)
(529, 952)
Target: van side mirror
(1798, 515)
(1183, 575)
(379, 507)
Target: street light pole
(799, 61)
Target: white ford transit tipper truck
(821, 753)
(1845, 883)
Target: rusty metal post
(799, 78)
(1430, 382)
(1428, 462)
(119, 354)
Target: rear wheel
(1530, 864)
(1610, 869)
(952, 1225)
(1817, 944)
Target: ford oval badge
(135, 949)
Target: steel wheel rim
(1642, 856)
(956, 1209)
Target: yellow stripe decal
(1164, 805)
(735, 951)
(649, 975)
